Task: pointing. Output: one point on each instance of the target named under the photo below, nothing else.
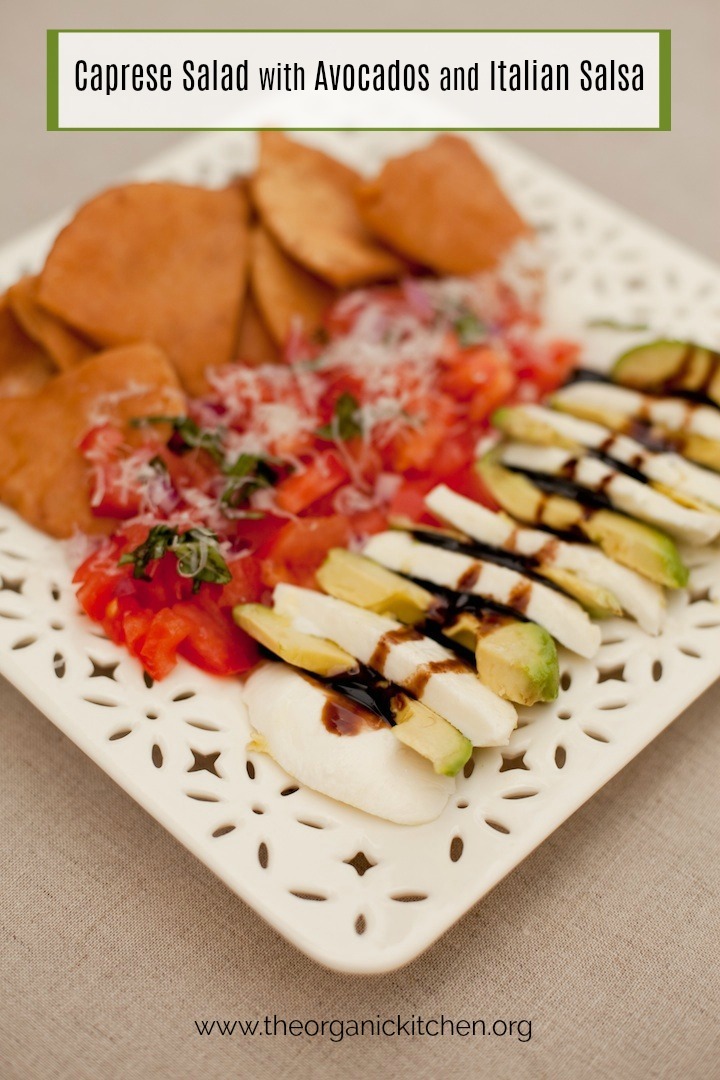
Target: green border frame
(664, 74)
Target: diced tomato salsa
(280, 463)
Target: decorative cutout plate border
(355, 893)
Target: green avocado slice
(430, 735)
(276, 633)
(518, 660)
(360, 581)
(516, 424)
(668, 366)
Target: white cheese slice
(371, 770)
(675, 414)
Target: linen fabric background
(113, 939)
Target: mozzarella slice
(625, 493)
(426, 669)
(638, 596)
(561, 616)
(669, 469)
(371, 770)
(675, 414)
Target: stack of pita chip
(152, 285)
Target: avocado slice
(632, 543)
(669, 366)
(360, 581)
(518, 660)
(596, 599)
(699, 449)
(517, 424)
(430, 735)
(306, 651)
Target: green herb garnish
(469, 328)
(247, 474)
(190, 434)
(345, 423)
(197, 552)
(616, 324)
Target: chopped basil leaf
(320, 336)
(199, 557)
(469, 328)
(157, 464)
(247, 474)
(345, 423)
(153, 547)
(190, 434)
(197, 552)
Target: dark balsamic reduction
(521, 564)
(343, 715)
(475, 549)
(451, 604)
(626, 467)
(568, 488)
(580, 374)
(642, 431)
(366, 690)
(695, 397)
(435, 667)
(392, 637)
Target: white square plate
(353, 892)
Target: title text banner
(529, 79)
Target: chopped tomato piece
(415, 446)
(467, 482)
(254, 533)
(497, 390)
(159, 648)
(470, 371)
(367, 522)
(321, 476)
(213, 642)
(136, 624)
(300, 548)
(246, 585)
(457, 451)
(409, 500)
(99, 576)
(115, 488)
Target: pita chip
(164, 263)
(285, 293)
(43, 475)
(442, 206)
(24, 367)
(59, 341)
(307, 201)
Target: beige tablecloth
(114, 940)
